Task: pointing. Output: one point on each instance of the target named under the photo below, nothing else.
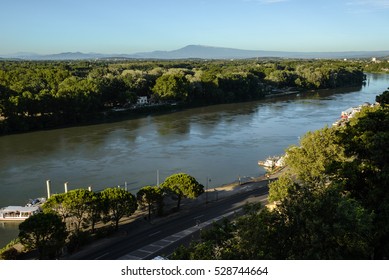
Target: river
(221, 142)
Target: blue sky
(128, 26)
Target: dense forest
(40, 95)
(333, 203)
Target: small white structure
(18, 213)
(273, 162)
(142, 100)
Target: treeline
(332, 204)
(69, 220)
(37, 95)
(378, 66)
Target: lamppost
(268, 178)
(206, 191)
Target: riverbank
(76, 93)
(139, 218)
(219, 142)
(43, 123)
(212, 195)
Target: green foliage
(213, 244)
(183, 185)
(76, 207)
(383, 98)
(95, 210)
(56, 204)
(36, 95)
(256, 235)
(377, 67)
(333, 205)
(219, 233)
(322, 224)
(310, 161)
(172, 87)
(367, 176)
(279, 188)
(8, 252)
(45, 232)
(118, 203)
(150, 196)
(77, 202)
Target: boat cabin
(18, 213)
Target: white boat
(18, 213)
(269, 162)
(272, 162)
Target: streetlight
(268, 178)
(206, 190)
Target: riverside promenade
(139, 238)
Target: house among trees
(142, 100)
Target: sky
(130, 26)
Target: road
(122, 245)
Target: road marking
(129, 257)
(154, 233)
(145, 251)
(155, 245)
(198, 217)
(103, 255)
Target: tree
(321, 224)
(383, 98)
(366, 176)
(172, 87)
(311, 161)
(73, 207)
(255, 235)
(279, 188)
(95, 209)
(149, 196)
(78, 202)
(45, 232)
(213, 244)
(118, 204)
(183, 185)
(56, 204)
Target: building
(142, 100)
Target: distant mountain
(72, 56)
(199, 51)
(207, 52)
(59, 56)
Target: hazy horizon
(127, 27)
(222, 47)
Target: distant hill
(201, 52)
(207, 52)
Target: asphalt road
(122, 245)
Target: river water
(221, 142)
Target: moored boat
(272, 162)
(18, 213)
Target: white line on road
(195, 218)
(103, 255)
(145, 251)
(155, 233)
